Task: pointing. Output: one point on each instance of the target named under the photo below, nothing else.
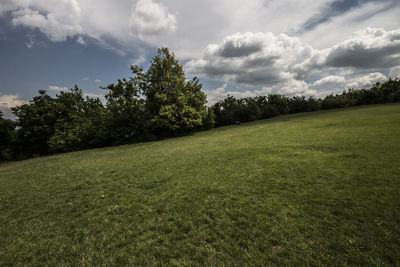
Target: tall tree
(174, 104)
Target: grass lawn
(319, 188)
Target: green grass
(319, 188)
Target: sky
(241, 48)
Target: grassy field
(319, 188)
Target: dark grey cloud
(368, 49)
(261, 62)
(231, 49)
(363, 58)
(258, 77)
(338, 8)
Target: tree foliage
(36, 121)
(64, 123)
(175, 105)
(157, 103)
(80, 122)
(127, 115)
(149, 105)
(7, 128)
(232, 110)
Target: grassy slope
(317, 188)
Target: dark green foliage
(267, 109)
(80, 122)
(224, 111)
(387, 92)
(7, 130)
(298, 104)
(36, 122)
(280, 102)
(313, 104)
(231, 110)
(64, 123)
(127, 109)
(209, 119)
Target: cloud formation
(368, 48)
(366, 81)
(337, 8)
(280, 46)
(151, 18)
(255, 58)
(58, 20)
(9, 101)
(56, 88)
(265, 58)
(110, 23)
(331, 79)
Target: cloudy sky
(244, 48)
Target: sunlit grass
(307, 189)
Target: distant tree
(391, 90)
(313, 104)
(126, 107)
(334, 101)
(7, 129)
(267, 110)
(249, 110)
(80, 122)
(298, 104)
(280, 102)
(225, 111)
(36, 124)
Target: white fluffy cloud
(366, 81)
(282, 63)
(331, 79)
(57, 20)
(56, 88)
(255, 58)
(116, 25)
(289, 88)
(151, 18)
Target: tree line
(151, 105)
(233, 110)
